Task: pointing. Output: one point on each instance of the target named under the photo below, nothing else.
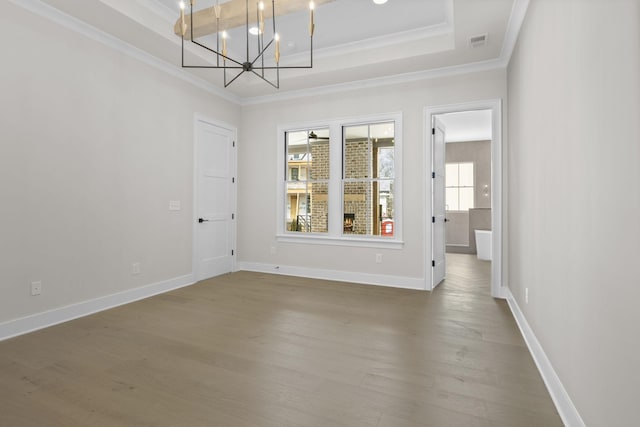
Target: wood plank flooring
(249, 349)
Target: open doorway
(465, 166)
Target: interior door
(215, 200)
(438, 243)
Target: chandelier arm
(214, 67)
(284, 67)
(268, 81)
(261, 54)
(246, 33)
(233, 79)
(216, 52)
(217, 40)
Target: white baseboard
(343, 276)
(48, 318)
(564, 405)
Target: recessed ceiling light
(254, 31)
(379, 1)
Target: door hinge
(233, 216)
(433, 263)
(433, 175)
(233, 180)
(232, 252)
(433, 219)
(433, 131)
(234, 143)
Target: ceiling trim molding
(169, 15)
(454, 70)
(399, 38)
(516, 19)
(74, 24)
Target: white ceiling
(354, 41)
(467, 126)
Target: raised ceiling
(354, 41)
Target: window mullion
(335, 180)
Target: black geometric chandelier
(254, 61)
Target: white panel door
(438, 242)
(215, 200)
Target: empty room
(278, 213)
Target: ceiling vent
(477, 41)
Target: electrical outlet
(378, 258)
(135, 268)
(526, 295)
(36, 288)
(273, 250)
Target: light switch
(174, 205)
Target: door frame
(497, 168)
(199, 118)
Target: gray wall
(93, 145)
(458, 229)
(574, 203)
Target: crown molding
(74, 24)
(400, 38)
(454, 70)
(167, 13)
(516, 20)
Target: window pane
(319, 218)
(296, 145)
(319, 159)
(385, 163)
(358, 207)
(357, 152)
(452, 199)
(385, 209)
(466, 175)
(466, 198)
(451, 175)
(383, 140)
(306, 186)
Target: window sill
(316, 239)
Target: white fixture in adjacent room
(483, 244)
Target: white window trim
(335, 234)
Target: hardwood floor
(249, 349)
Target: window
(368, 175)
(341, 182)
(294, 173)
(307, 188)
(459, 182)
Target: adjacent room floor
(250, 349)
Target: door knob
(201, 220)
